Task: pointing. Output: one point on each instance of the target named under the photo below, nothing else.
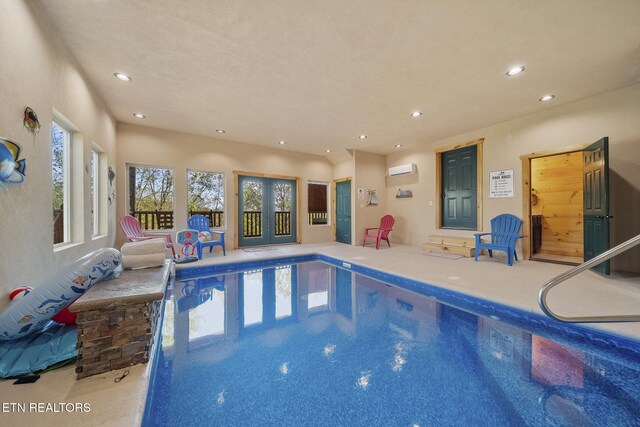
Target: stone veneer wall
(115, 336)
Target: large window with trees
(151, 196)
(206, 196)
(60, 175)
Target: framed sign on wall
(501, 183)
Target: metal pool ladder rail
(542, 295)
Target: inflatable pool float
(33, 312)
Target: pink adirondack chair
(386, 226)
(132, 230)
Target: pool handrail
(542, 295)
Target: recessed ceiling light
(514, 71)
(123, 77)
(547, 98)
(416, 114)
(328, 151)
(139, 116)
(362, 136)
(220, 130)
(398, 145)
(282, 142)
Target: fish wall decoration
(31, 121)
(12, 170)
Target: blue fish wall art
(12, 170)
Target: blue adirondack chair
(504, 235)
(201, 223)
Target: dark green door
(459, 192)
(343, 212)
(596, 201)
(266, 211)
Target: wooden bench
(464, 246)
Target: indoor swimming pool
(315, 341)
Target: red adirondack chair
(132, 230)
(386, 226)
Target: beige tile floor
(121, 404)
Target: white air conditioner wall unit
(402, 169)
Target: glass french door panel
(283, 292)
(252, 202)
(252, 298)
(282, 203)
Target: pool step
(464, 246)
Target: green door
(343, 212)
(596, 201)
(459, 188)
(266, 211)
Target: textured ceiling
(319, 73)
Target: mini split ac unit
(402, 169)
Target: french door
(267, 212)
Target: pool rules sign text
(501, 183)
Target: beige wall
(38, 72)
(179, 151)
(370, 172)
(614, 114)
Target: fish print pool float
(33, 312)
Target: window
(95, 181)
(206, 196)
(151, 196)
(60, 173)
(317, 203)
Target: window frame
(328, 198)
(99, 215)
(223, 226)
(66, 180)
(128, 206)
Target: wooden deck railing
(58, 226)
(162, 220)
(154, 220)
(318, 218)
(252, 223)
(216, 218)
(282, 223)
(252, 226)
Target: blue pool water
(314, 344)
